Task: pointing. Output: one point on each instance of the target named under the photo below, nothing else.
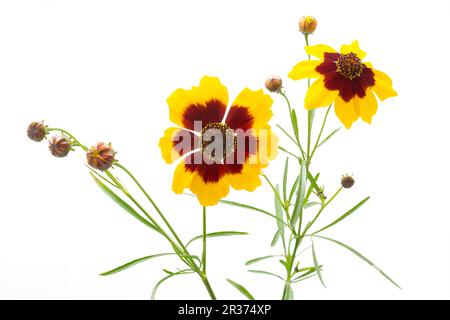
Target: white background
(103, 70)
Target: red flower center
(349, 66)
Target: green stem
(204, 241)
(321, 131)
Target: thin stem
(208, 286)
(70, 135)
(204, 241)
(321, 131)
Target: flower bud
(347, 181)
(274, 83)
(101, 156)
(59, 145)
(307, 25)
(37, 131)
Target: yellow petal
(248, 179)
(267, 147)
(209, 194)
(180, 99)
(166, 145)
(368, 106)
(346, 112)
(319, 50)
(259, 105)
(305, 69)
(319, 96)
(383, 85)
(182, 178)
(353, 47)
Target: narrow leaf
(255, 260)
(311, 204)
(275, 238)
(241, 289)
(133, 263)
(279, 213)
(359, 255)
(316, 264)
(295, 124)
(186, 271)
(299, 202)
(123, 204)
(218, 234)
(266, 273)
(294, 187)
(285, 176)
(345, 215)
(329, 137)
(288, 293)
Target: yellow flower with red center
(343, 79)
(204, 123)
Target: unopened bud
(101, 156)
(274, 83)
(307, 25)
(37, 131)
(347, 181)
(59, 146)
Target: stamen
(349, 66)
(209, 145)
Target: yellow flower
(343, 79)
(220, 147)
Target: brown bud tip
(307, 25)
(347, 181)
(59, 145)
(37, 131)
(274, 83)
(101, 156)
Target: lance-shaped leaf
(329, 137)
(218, 234)
(186, 271)
(133, 263)
(241, 289)
(280, 225)
(317, 267)
(255, 260)
(299, 202)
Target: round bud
(347, 181)
(307, 25)
(37, 131)
(59, 146)
(101, 156)
(274, 83)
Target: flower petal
(259, 106)
(177, 142)
(319, 50)
(353, 47)
(368, 106)
(248, 179)
(346, 112)
(383, 85)
(182, 178)
(267, 147)
(211, 94)
(319, 96)
(209, 194)
(305, 69)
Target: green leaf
(275, 238)
(186, 271)
(255, 260)
(218, 234)
(345, 215)
(241, 289)
(288, 293)
(279, 213)
(310, 204)
(299, 202)
(307, 273)
(245, 206)
(312, 180)
(123, 204)
(266, 273)
(316, 264)
(133, 263)
(329, 137)
(294, 187)
(295, 124)
(287, 134)
(285, 176)
(311, 114)
(359, 255)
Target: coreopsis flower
(345, 80)
(220, 147)
(37, 131)
(101, 156)
(307, 25)
(59, 145)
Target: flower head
(345, 80)
(59, 145)
(307, 25)
(37, 131)
(274, 83)
(220, 147)
(101, 156)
